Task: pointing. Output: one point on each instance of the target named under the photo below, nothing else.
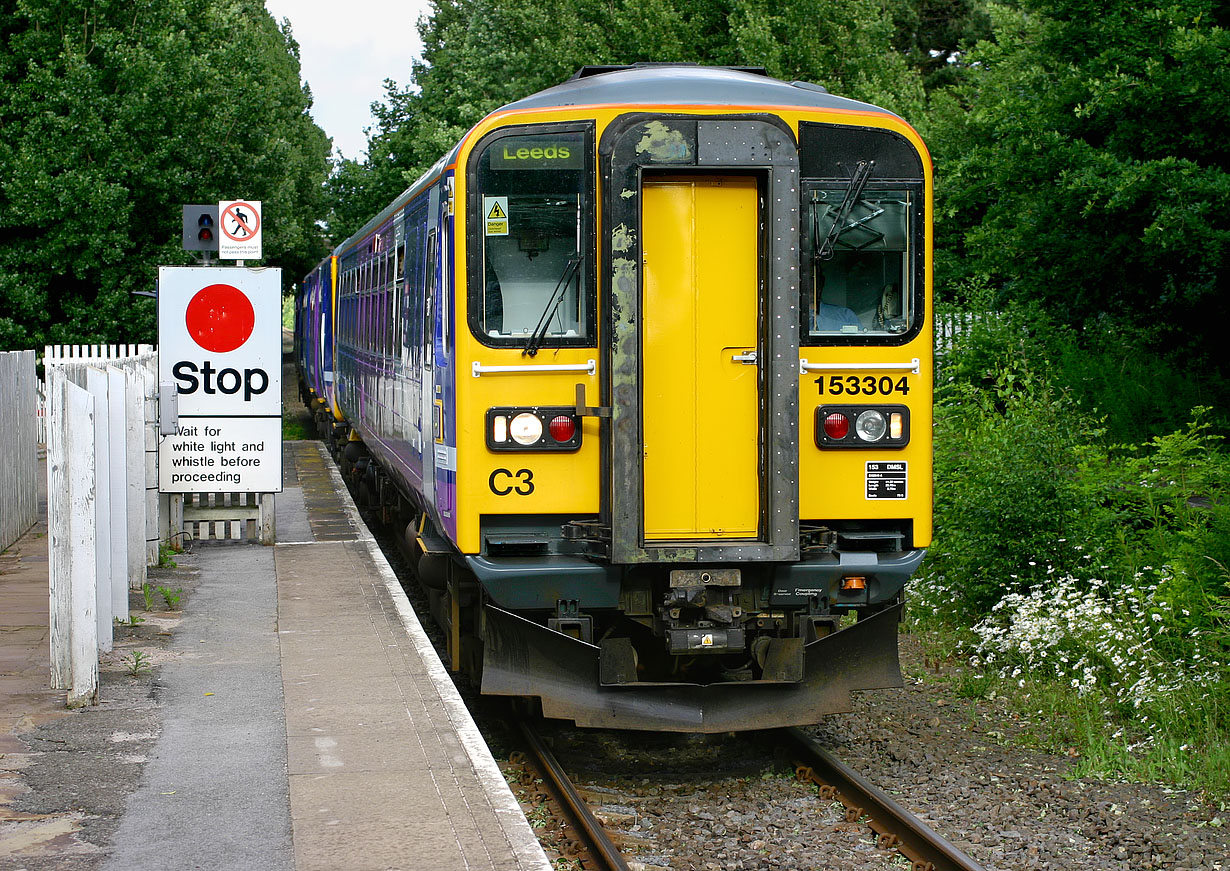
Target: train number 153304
(866, 385)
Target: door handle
(748, 359)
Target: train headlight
(525, 429)
(870, 426)
(533, 429)
(862, 426)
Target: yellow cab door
(700, 394)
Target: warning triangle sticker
(496, 212)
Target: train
(643, 367)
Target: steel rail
(897, 828)
(570, 801)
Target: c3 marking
(503, 482)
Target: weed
(172, 596)
(166, 557)
(136, 662)
(133, 620)
(973, 685)
(1081, 579)
(539, 816)
(147, 592)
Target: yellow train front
(680, 398)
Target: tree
(481, 54)
(932, 34)
(113, 116)
(1082, 165)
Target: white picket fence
(19, 449)
(102, 500)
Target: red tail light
(562, 428)
(836, 425)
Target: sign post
(220, 346)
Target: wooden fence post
(72, 526)
(134, 463)
(117, 473)
(83, 506)
(59, 552)
(153, 504)
(18, 449)
(96, 383)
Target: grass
(1056, 720)
(293, 429)
(1080, 576)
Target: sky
(346, 58)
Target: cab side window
(860, 258)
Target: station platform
(305, 720)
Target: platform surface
(307, 722)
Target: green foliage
(932, 33)
(294, 429)
(1080, 165)
(166, 556)
(1007, 452)
(137, 662)
(1014, 455)
(1089, 571)
(1138, 392)
(113, 116)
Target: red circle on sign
(220, 318)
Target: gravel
(732, 802)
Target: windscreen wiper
(557, 296)
(862, 174)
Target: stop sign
(220, 348)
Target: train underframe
(692, 648)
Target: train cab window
(532, 279)
(858, 263)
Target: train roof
(684, 84)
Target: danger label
(496, 211)
(887, 480)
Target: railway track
(595, 844)
(895, 828)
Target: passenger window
(858, 263)
(535, 277)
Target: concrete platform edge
(529, 853)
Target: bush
(1092, 576)
(1006, 462)
(1140, 394)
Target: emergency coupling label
(220, 348)
(887, 480)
